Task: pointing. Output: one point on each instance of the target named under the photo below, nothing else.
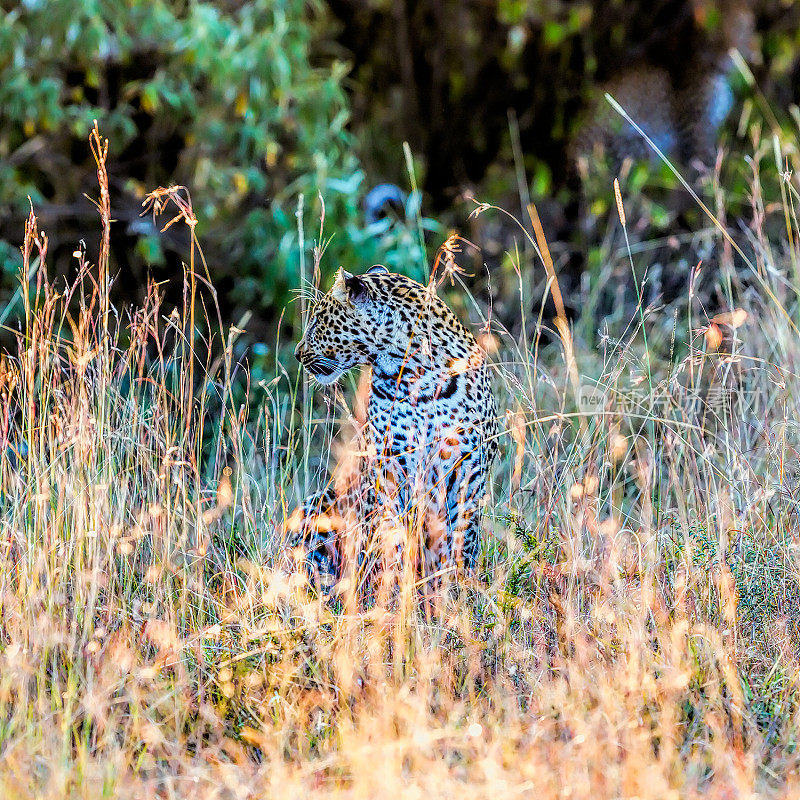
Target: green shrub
(224, 99)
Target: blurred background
(255, 105)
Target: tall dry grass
(632, 632)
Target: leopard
(677, 86)
(431, 428)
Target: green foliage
(225, 100)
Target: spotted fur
(431, 422)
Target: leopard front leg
(331, 534)
(468, 533)
(312, 535)
(466, 489)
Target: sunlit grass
(632, 630)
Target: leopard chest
(426, 437)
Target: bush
(223, 98)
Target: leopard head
(398, 326)
(351, 325)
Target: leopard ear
(339, 289)
(356, 289)
(377, 269)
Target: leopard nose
(298, 350)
